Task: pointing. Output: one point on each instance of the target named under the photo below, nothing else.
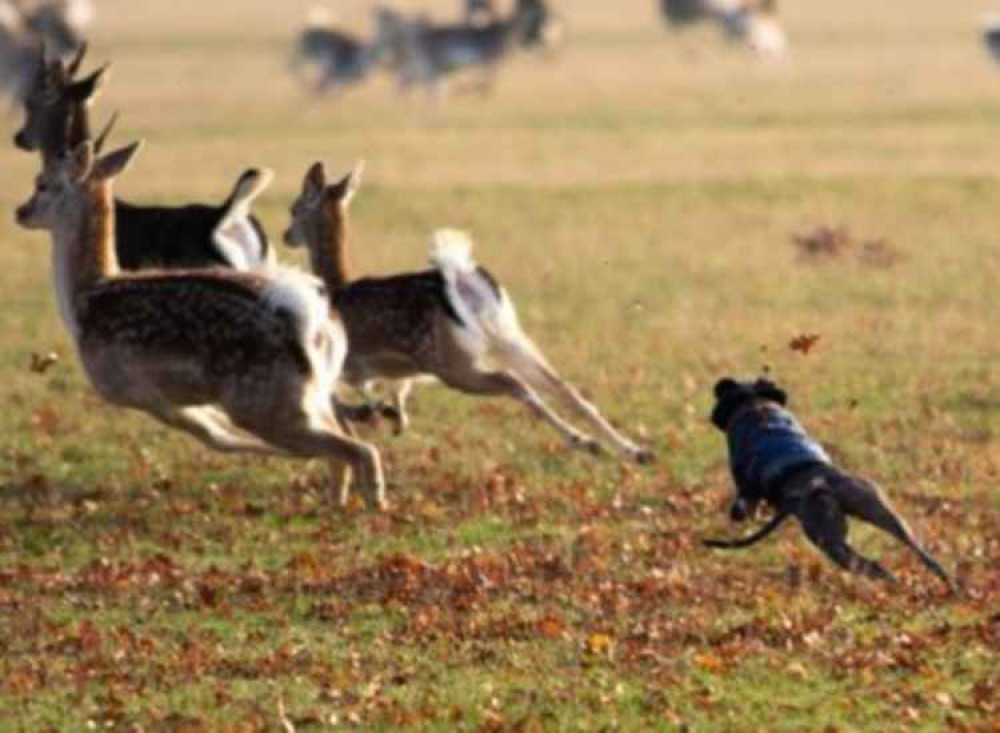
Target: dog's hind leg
(825, 525)
(866, 501)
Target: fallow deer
(480, 12)
(244, 362)
(753, 22)
(340, 59)
(453, 322)
(426, 53)
(991, 35)
(20, 54)
(57, 117)
(59, 24)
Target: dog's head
(731, 396)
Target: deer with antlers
(244, 362)
(197, 235)
(453, 322)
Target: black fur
(819, 495)
(731, 396)
(171, 237)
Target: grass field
(638, 195)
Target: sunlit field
(639, 193)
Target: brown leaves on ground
(620, 590)
(40, 364)
(803, 343)
(826, 243)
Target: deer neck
(84, 254)
(328, 248)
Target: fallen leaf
(599, 644)
(41, 364)
(804, 342)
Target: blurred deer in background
(20, 54)
(453, 322)
(753, 22)
(338, 58)
(56, 24)
(479, 12)
(426, 53)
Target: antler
(76, 61)
(103, 137)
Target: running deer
(480, 12)
(453, 322)
(57, 118)
(754, 22)
(426, 53)
(58, 24)
(20, 54)
(340, 59)
(244, 362)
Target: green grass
(637, 195)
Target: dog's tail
(753, 539)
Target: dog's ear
(730, 396)
(768, 390)
(725, 386)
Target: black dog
(774, 460)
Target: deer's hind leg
(317, 434)
(466, 378)
(213, 428)
(400, 393)
(545, 377)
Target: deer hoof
(645, 457)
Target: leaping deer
(340, 58)
(426, 53)
(57, 117)
(244, 362)
(453, 322)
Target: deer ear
(74, 64)
(113, 164)
(354, 180)
(315, 180)
(86, 89)
(345, 189)
(79, 161)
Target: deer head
(56, 119)
(65, 189)
(319, 205)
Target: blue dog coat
(764, 445)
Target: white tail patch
(301, 295)
(767, 38)
(79, 13)
(491, 333)
(320, 17)
(236, 238)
